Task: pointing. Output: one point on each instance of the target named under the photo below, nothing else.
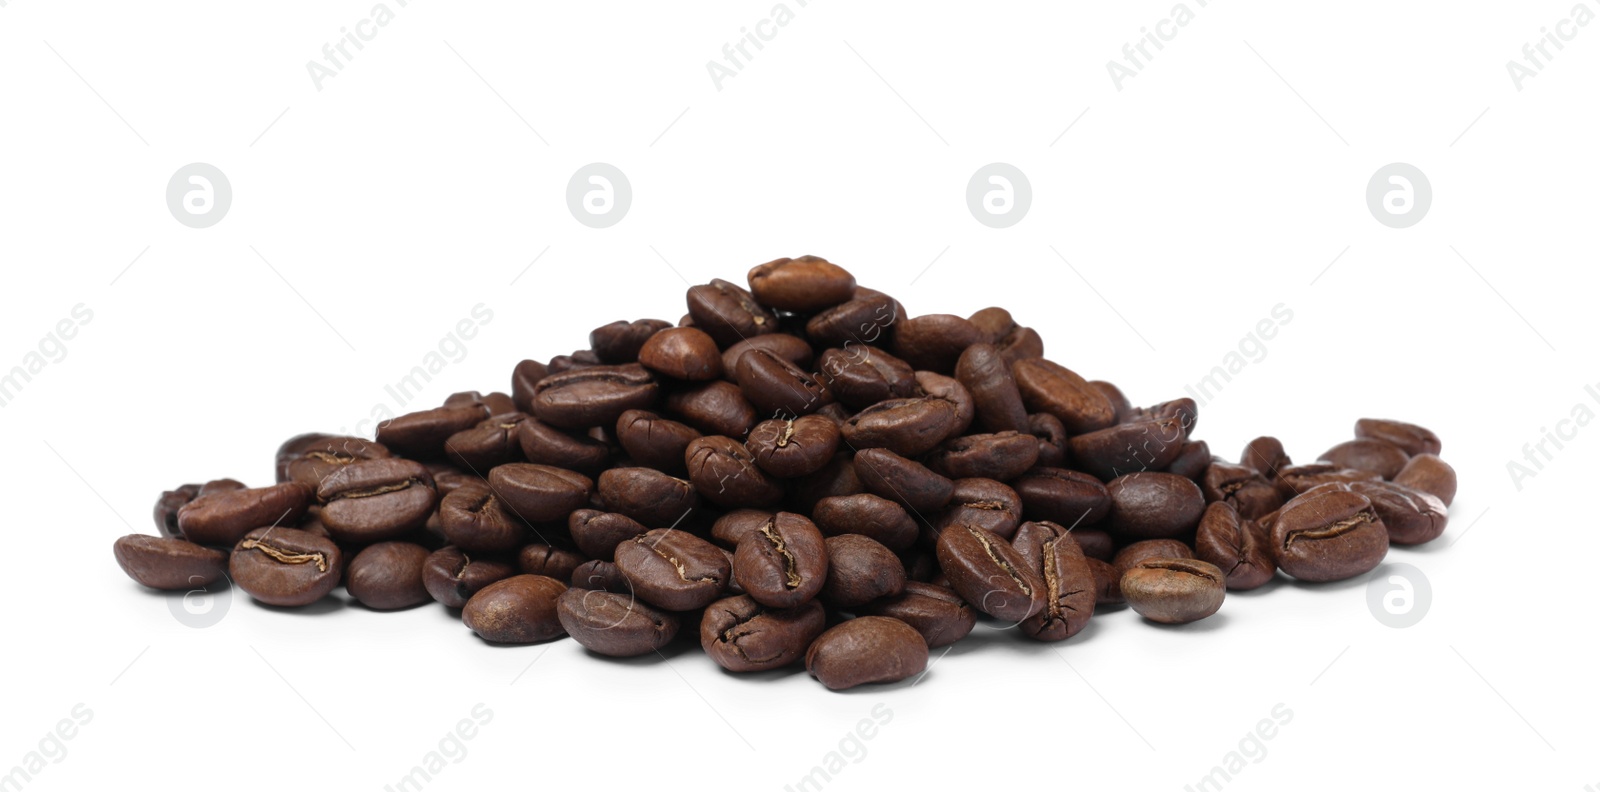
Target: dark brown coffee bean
(713, 408)
(860, 570)
(674, 570)
(934, 342)
(1240, 487)
(1331, 534)
(774, 385)
(620, 342)
(791, 348)
(935, 612)
(1374, 456)
(728, 313)
(518, 610)
(168, 563)
(1430, 474)
(1052, 388)
(649, 496)
(989, 573)
(540, 493)
(1184, 411)
(475, 519)
(803, 285)
(421, 435)
(1265, 455)
(1107, 583)
(222, 518)
(793, 447)
(782, 564)
(289, 450)
(579, 359)
(861, 376)
(1063, 496)
(285, 566)
(1296, 479)
(730, 529)
(388, 576)
(838, 477)
(315, 462)
(1052, 437)
(1238, 547)
(723, 472)
(908, 427)
(1069, 587)
(1021, 343)
(1134, 554)
(949, 389)
(552, 562)
(593, 396)
(653, 441)
(166, 510)
(1411, 517)
(1154, 506)
(987, 376)
(1174, 591)
(598, 533)
(523, 378)
(614, 625)
(993, 323)
(376, 499)
(1410, 438)
(868, 320)
(983, 503)
(495, 403)
(452, 576)
(600, 576)
(1194, 456)
(543, 444)
(743, 635)
(867, 650)
(879, 519)
(683, 353)
(1002, 456)
(1119, 400)
(1144, 445)
(1095, 543)
(889, 475)
(493, 442)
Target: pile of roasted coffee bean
(803, 471)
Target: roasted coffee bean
(1020, 344)
(388, 576)
(593, 396)
(168, 563)
(1193, 458)
(1095, 543)
(1136, 553)
(581, 358)
(1069, 588)
(452, 575)
(782, 564)
(289, 450)
(614, 625)
(598, 533)
(166, 511)
(1133, 447)
(1064, 496)
(1237, 546)
(493, 442)
(728, 313)
(1265, 455)
(774, 385)
(987, 376)
(1154, 506)
(475, 519)
(1119, 400)
(1174, 591)
(868, 320)
(860, 376)
(523, 379)
(1430, 474)
(376, 499)
(600, 576)
(723, 472)
(620, 342)
(220, 485)
(937, 613)
(543, 444)
(552, 562)
(1296, 479)
(803, 285)
(1107, 583)
(447, 479)
(983, 503)
(653, 441)
(730, 529)
(993, 323)
(1052, 437)
(1240, 487)
(518, 610)
(908, 427)
(790, 348)
(1002, 456)
(540, 493)
(743, 635)
(1332, 534)
(495, 403)
(674, 570)
(223, 517)
(684, 353)
(315, 462)
(1411, 517)
(838, 477)
(879, 519)
(867, 650)
(1052, 388)
(1410, 438)
(421, 435)
(1184, 411)
(285, 566)
(934, 342)
(1373, 456)
(889, 475)
(649, 496)
(860, 570)
(793, 447)
(713, 408)
(989, 573)
(950, 390)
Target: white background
(419, 182)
